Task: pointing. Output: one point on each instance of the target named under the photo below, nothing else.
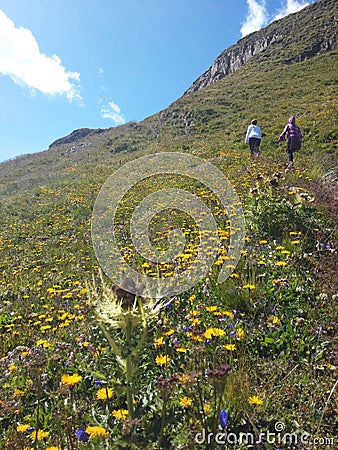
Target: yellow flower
(186, 402)
(38, 435)
(22, 428)
(207, 408)
(219, 262)
(234, 275)
(263, 241)
(71, 380)
(53, 448)
(230, 347)
(44, 343)
(120, 414)
(12, 368)
(296, 241)
(169, 332)
(274, 321)
(97, 431)
(254, 400)
(211, 308)
(181, 349)
(249, 286)
(281, 263)
(210, 332)
(18, 392)
(162, 360)
(159, 342)
(240, 333)
(280, 247)
(104, 394)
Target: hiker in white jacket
(253, 138)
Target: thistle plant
(116, 309)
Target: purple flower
(82, 435)
(223, 418)
(232, 333)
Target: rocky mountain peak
(76, 135)
(270, 42)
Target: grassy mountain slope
(274, 321)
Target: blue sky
(68, 64)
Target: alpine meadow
(244, 360)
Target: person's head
(292, 120)
(254, 122)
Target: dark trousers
(254, 144)
(294, 144)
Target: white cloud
(290, 7)
(112, 112)
(256, 19)
(22, 60)
(258, 16)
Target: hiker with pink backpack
(294, 138)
